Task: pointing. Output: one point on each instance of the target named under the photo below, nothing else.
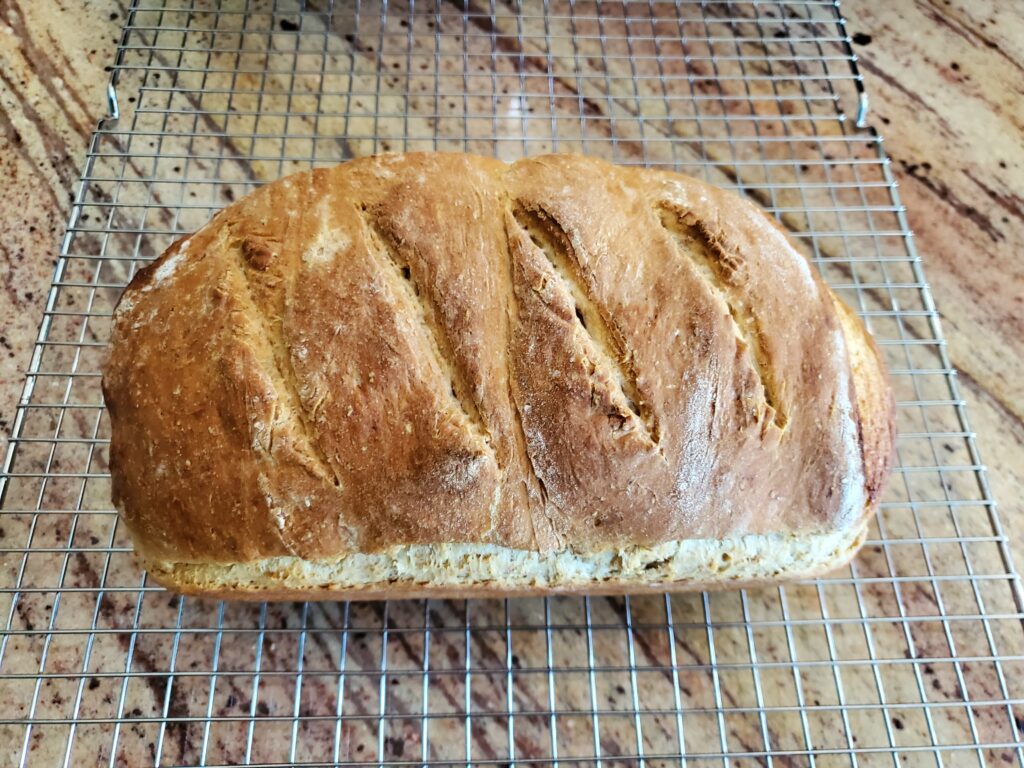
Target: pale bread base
(467, 570)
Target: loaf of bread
(443, 375)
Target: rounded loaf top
(558, 353)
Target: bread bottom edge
(483, 570)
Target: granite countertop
(936, 74)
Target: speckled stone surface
(52, 92)
(936, 74)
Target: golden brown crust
(876, 406)
(426, 348)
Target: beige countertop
(936, 77)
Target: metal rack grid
(913, 655)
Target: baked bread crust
(557, 355)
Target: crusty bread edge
(461, 571)
(876, 406)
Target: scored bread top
(431, 348)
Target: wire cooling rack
(913, 655)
